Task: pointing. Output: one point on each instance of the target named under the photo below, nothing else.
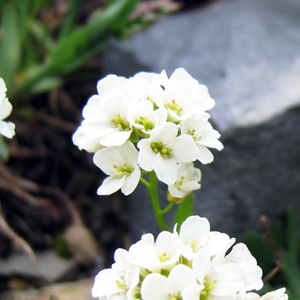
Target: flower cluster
(7, 129)
(149, 122)
(190, 265)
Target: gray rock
(247, 53)
(47, 267)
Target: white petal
(110, 185)
(5, 108)
(105, 283)
(181, 277)
(165, 169)
(129, 152)
(194, 229)
(155, 286)
(205, 156)
(131, 182)
(201, 265)
(228, 279)
(192, 292)
(106, 158)
(146, 155)
(7, 129)
(184, 149)
(3, 88)
(115, 138)
(165, 133)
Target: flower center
(193, 245)
(121, 285)
(159, 147)
(148, 124)
(174, 106)
(191, 132)
(208, 286)
(122, 170)
(179, 182)
(120, 123)
(163, 257)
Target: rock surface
(247, 53)
(47, 267)
(79, 290)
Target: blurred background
(54, 228)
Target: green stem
(155, 202)
(165, 210)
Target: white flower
(120, 163)
(6, 128)
(183, 96)
(156, 256)
(159, 287)
(222, 281)
(190, 265)
(195, 235)
(118, 282)
(164, 149)
(83, 142)
(203, 134)
(188, 178)
(143, 116)
(251, 272)
(108, 123)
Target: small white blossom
(159, 287)
(251, 272)
(164, 149)
(120, 163)
(119, 282)
(218, 281)
(203, 134)
(83, 142)
(194, 264)
(158, 256)
(143, 116)
(183, 96)
(109, 123)
(7, 129)
(188, 178)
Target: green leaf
(292, 234)
(47, 84)
(10, 48)
(291, 271)
(69, 21)
(184, 210)
(83, 39)
(4, 153)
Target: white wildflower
(188, 178)
(199, 128)
(120, 163)
(164, 149)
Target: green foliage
(4, 153)
(35, 57)
(279, 250)
(184, 210)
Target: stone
(78, 290)
(247, 53)
(47, 267)
(82, 244)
